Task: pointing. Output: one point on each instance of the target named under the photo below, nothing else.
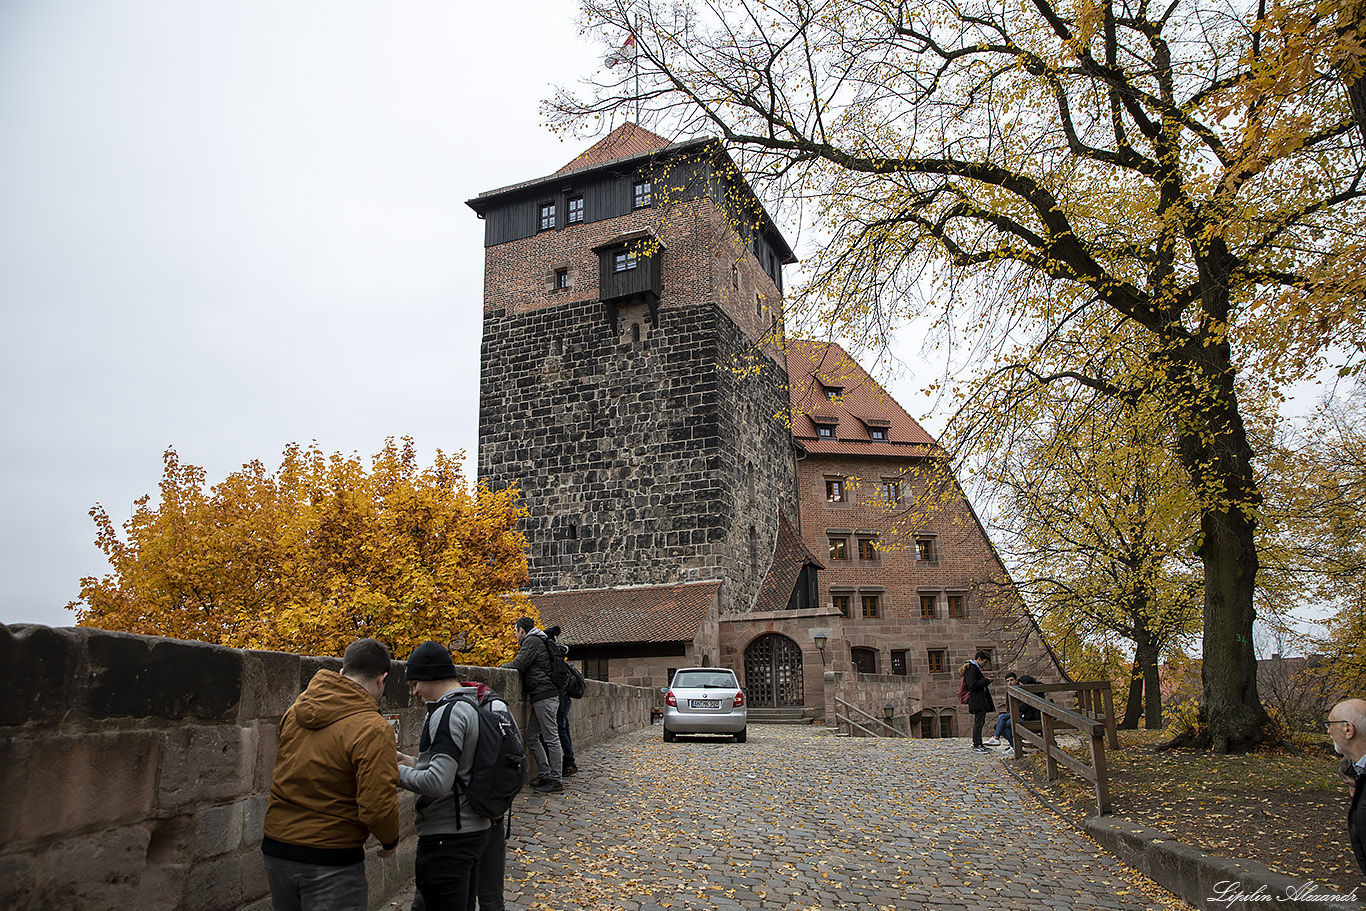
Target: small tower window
(641, 195)
(735, 276)
(561, 279)
(635, 333)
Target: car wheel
(742, 735)
(669, 736)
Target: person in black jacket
(1347, 726)
(1004, 726)
(978, 685)
(542, 728)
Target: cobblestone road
(798, 818)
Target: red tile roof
(647, 613)
(790, 554)
(816, 368)
(623, 142)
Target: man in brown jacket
(335, 784)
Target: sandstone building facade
(676, 454)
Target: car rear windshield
(703, 679)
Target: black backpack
(499, 769)
(564, 675)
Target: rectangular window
(641, 195)
(877, 433)
(946, 725)
(864, 659)
(833, 393)
(547, 216)
(891, 492)
(575, 206)
(839, 548)
(841, 603)
(624, 261)
(925, 550)
(825, 431)
(561, 278)
(735, 276)
(937, 660)
(595, 669)
(899, 664)
(957, 607)
(927, 607)
(870, 606)
(834, 490)
(926, 725)
(867, 548)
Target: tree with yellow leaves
(316, 554)
(1185, 181)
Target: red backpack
(963, 689)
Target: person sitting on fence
(1027, 713)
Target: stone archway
(773, 672)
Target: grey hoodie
(446, 751)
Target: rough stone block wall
(647, 443)
(134, 771)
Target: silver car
(704, 700)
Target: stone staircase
(792, 715)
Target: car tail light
(670, 700)
(739, 699)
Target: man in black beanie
(451, 836)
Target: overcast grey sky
(225, 226)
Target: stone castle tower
(626, 384)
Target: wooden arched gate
(773, 672)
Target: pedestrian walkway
(798, 819)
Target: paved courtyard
(798, 818)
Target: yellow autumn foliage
(315, 554)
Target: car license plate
(704, 703)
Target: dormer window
(877, 433)
(825, 431)
(834, 393)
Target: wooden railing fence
(1093, 718)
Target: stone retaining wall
(1208, 881)
(134, 770)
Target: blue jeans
(1003, 727)
(297, 886)
(566, 745)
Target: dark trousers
(978, 720)
(448, 870)
(491, 867)
(565, 743)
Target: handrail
(854, 724)
(870, 717)
(1053, 716)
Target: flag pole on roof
(627, 53)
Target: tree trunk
(1214, 448)
(1152, 692)
(1134, 707)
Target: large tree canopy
(1185, 178)
(316, 554)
